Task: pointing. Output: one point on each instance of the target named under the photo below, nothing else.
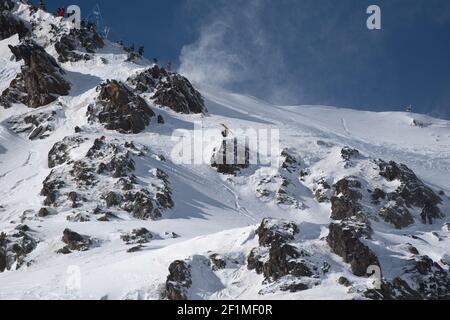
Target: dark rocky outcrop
(322, 191)
(218, 262)
(9, 25)
(343, 281)
(423, 279)
(41, 80)
(75, 242)
(276, 232)
(412, 191)
(118, 108)
(43, 212)
(349, 154)
(397, 289)
(86, 38)
(179, 281)
(78, 217)
(7, 5)
(146, 81)
(35, 125)
(50, 188)
(104, 177)
(177, 93)
(59, 154)
(275, 258)
(345, 204)
(397, 214)
(14, 248)
(232, 157)
(137, 236)
(378, 195)
(345, 242)
(351, 224)
(169, 90)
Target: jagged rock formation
(179, 281)
(346, 204)
(177, 93)
(345, 241)
(423, 279)
(218, 262)
(322, 191)
(35, 125)
(6, 5)
(169, 90)
(105, 176)
(118, 108)
(41, 80)
(358, 199)
(86, 38)
(278, 260)
(14, 248)
(59, 154)
(356, 203)
(411, 193)
(10, 25)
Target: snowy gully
(225, 310)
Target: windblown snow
(136, 210)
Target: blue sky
(298, 51)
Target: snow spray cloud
(318, 52)
(235, 51)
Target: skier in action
(42, 5)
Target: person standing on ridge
(141, 51)
(61, 12)
(42, 5)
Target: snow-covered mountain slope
(88, 212)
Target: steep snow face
(137, 210)
(10, 68)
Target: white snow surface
(213, 213)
